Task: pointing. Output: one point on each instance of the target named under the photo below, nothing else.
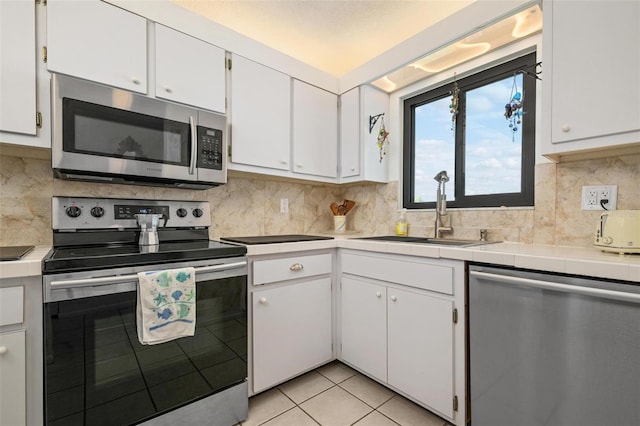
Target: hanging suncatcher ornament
(453, 106)
(513, 109)
(383, 137)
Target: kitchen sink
(428, 240)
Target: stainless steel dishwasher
(552, 350)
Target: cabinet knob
(263, 300)
(298, 165)
(353, 169)
(378, 294)
(3, 350)
(284, 162)
(168, 89)
(566, 128)
(394, 298)
(135, 81)
(296, 267)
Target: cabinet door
(350, 133)
(315, 131)
(364, 326)
(99, 42)
(13, 409)
(18, 67)
(595, 69)
(291, 331)
(189, 70)
(260, 115)
(420, 348)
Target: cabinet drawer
(425, 276)
(11, 305)
(273, 270)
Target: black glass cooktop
(274, 239)
(79, 258)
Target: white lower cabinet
(291, 322)
(420, 347)
(401, 323)
(364, 326)
(13, 392)
(21, 340)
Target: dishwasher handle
(565, 288)
(120, 279)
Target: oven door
(97, 372)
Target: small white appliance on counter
(618, 231)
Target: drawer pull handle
(296, 267)
(378, 294)
(394, 298)
(263, 300)
(3, 350)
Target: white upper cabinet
(360, 156)
(315, 131)
(24, 79)
(18, 67)
(98, 42)
(260, 116)
(188, 70)
(591, 76)
(350, 133)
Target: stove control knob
(181, 212)
(97, 211)
(197, 212)
(73, 211)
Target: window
(489, 163)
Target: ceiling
(335, 36)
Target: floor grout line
(334, 385)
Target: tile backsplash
(251, 205)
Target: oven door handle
(119, 279)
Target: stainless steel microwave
(111, 135)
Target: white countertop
(569, 260)
(584, 261)
(29, 266)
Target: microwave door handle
(194, 144)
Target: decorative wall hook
(534, 73)
(373, 119)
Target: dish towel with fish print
(166, 307)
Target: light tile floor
(335, 395)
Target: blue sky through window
(493, 151)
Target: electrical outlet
(284, 205)
(593, 196)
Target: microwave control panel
(210, 146)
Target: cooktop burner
(79, 258)
(272, 239)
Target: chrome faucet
(441, 204)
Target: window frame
(524, 198)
